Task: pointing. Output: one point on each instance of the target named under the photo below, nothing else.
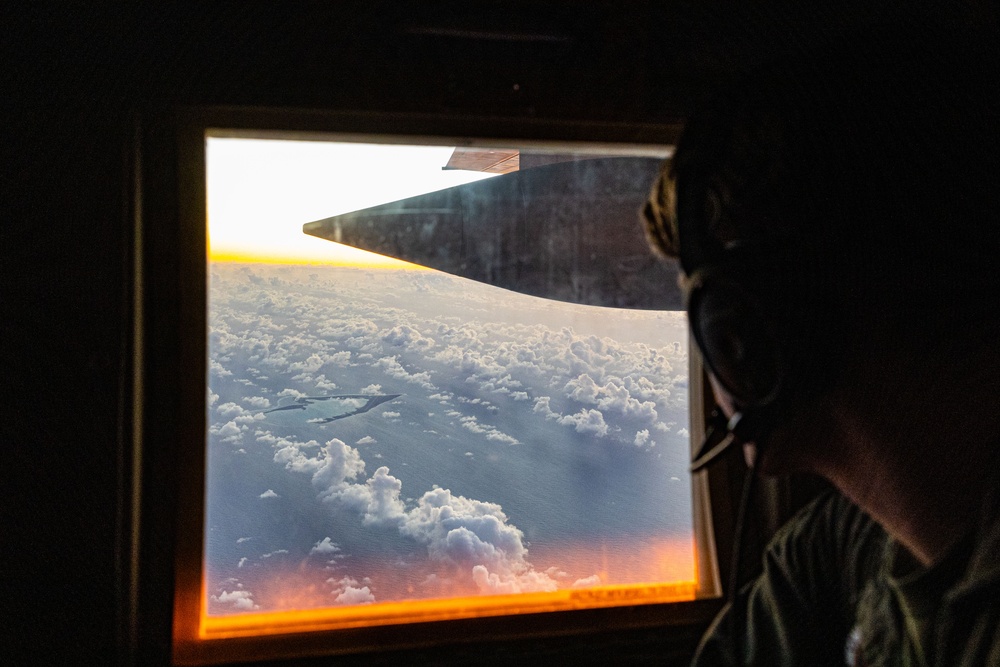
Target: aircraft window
(389, 443)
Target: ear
(735, 338)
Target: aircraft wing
(568, 231)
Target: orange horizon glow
(668, 574)
(441, 609)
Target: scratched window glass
(379, 432)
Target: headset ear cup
(736, 340)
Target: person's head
(834, 214)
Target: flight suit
(835, 589)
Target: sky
(261, 192)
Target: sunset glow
(261, 192)
(664, 572)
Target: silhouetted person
(837, 219)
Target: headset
(738, 341)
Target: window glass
(378, 432)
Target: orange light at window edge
(389, 613)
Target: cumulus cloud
(250, 418)
(241, 600)
(331, 467)
(352, 595)
(323, 384)
(228, 432)
(391, 367)
(259, 402)
(342, 358)
(641, 437)
(407, 337)
(294, 393)
(471, 423)
(350, 591)
(494, 583)
(586, 421)
(499, 436)
(230, 410)
(325, 546)
(377, 500)
(613, 395)
(367, 440)
(372, 390)
(269, 494)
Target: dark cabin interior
(81, 82)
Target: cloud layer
(484, 381)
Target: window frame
(169, 379)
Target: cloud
(325, 546)
(257, 402)
(249, 419)
(586, 421)
(389, 414)
(331, 467)
(492, 433)
(230, 410)
(407, 337)
(587, 582)
(243, 561)
(493, 583)
(350, 591)
(323, 384)
(238, 599)
(502, 437)
(352, 595)
(543, 406)
(377, 499)
(367, 440)
(372, 390)
(310, 365)
(614, 395)
(641, 437)
(391, 367)
(269, 494)
(228, 432)
(216, 368)
(342, 358)
(473, 425)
